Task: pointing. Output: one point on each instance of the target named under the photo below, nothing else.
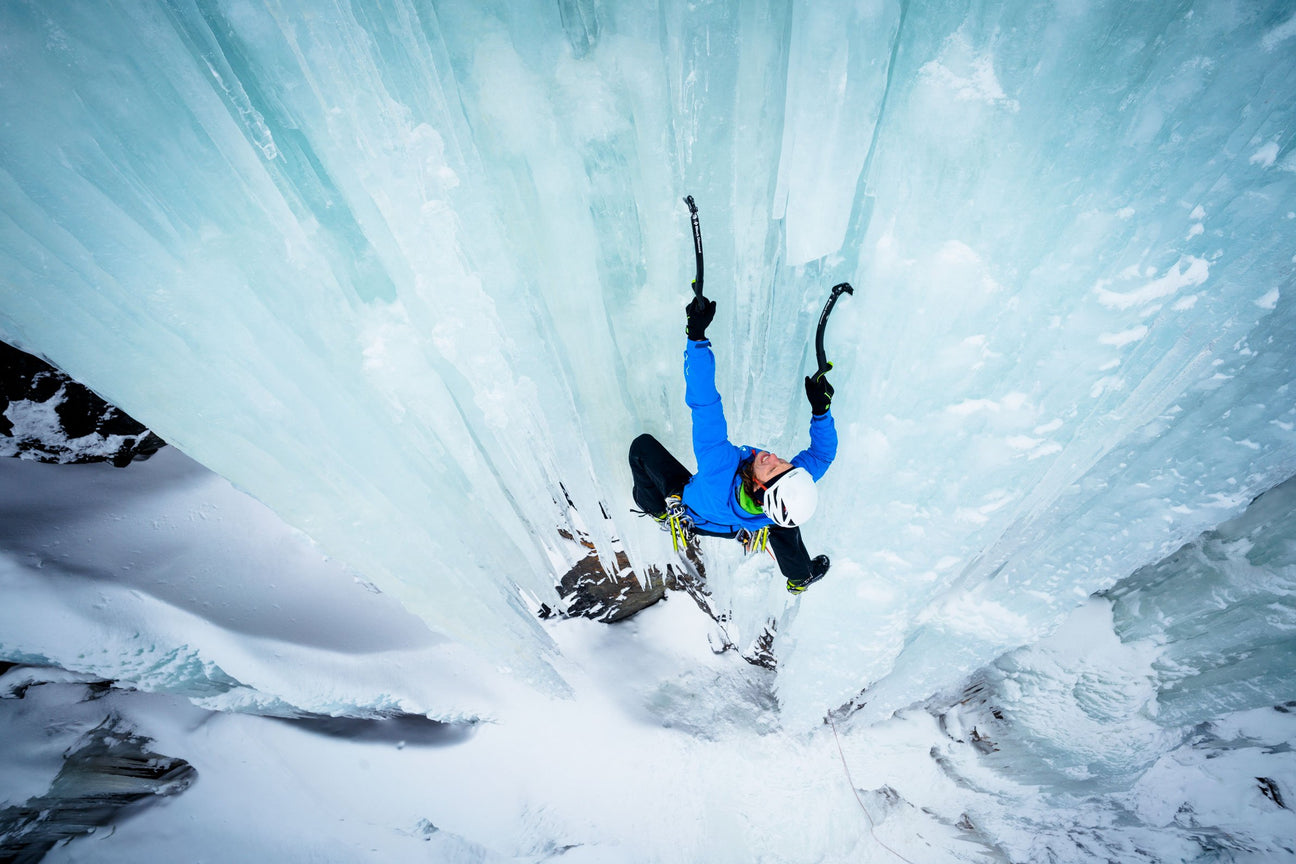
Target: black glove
(819, 392)
(700, 312)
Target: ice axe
(837, 290)
(697, 243)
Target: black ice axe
(697, 243)
(837, 291)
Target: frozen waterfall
(412, 274)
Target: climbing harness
(678, 523)
(675, 520)
(754, 541)
(681, 531)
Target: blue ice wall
(413, 275)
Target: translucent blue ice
(413, 275)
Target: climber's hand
(700, 312)
(819, 392)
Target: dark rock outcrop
(45, 416)
(588, 590)
(110, 773)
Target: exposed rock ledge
(588, 590)
(45, 416)
(107, 771)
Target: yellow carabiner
(678, 541)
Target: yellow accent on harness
(754, 542)
(679, 539)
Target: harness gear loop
(756, 541)
(679, 532)
(678, 523)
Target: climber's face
(766, 466)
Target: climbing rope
(859, 800)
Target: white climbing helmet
(791, 499)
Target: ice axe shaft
(837, 290)
(697, 243)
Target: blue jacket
(712, 495)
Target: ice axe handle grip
(697, 243)
(837, 290)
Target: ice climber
(741, 492)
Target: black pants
(658, 474)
